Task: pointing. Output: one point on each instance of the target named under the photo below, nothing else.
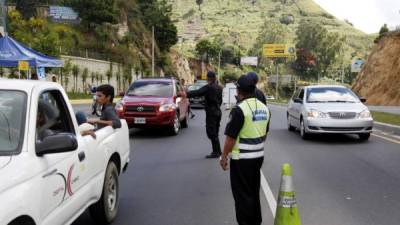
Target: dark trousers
(213, 120)
(245, 183)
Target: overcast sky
(366, 15)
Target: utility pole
(342, 73)
(152, 54)
(277, 80)
(219, 65)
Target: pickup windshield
(151, 88)
(331, 94)
(12, 121)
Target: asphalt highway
(338, 179)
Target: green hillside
(238, 22)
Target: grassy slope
(239, 20)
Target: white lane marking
(268, 194)
(387, 139)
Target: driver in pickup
(105, 96)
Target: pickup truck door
(64, 173)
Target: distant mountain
(239, 21)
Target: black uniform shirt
(108, 113)
(260, 96)
(236, 121)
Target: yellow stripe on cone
(286, 211)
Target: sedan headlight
(167, 108)
(313, 113)
(366, 114)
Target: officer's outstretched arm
(198, 93)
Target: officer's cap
(253, 76)
(245, 84)
(211, 74)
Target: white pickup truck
(49, 172)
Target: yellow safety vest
(251, 139)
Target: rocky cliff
(379, 80)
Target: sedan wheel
(289, 125)
(303, 132)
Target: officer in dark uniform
(259, 94)
(212, 93)
(246, 133)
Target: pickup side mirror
(122, 94)
(298, 100)
(59, 143)
(363, 100)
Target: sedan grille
(343, 115)
(140, 108)
(342, 128)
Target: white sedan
(328, 109)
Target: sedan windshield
(12, 120)
(151, 88)
(331, 94)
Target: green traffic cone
(286, 211)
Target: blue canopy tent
(11, 52)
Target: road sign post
(276, 51)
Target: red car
(155, 103)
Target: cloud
(366, 15)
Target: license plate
(140, 120)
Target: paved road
(169, 182)
(387, 109)
(338, 179)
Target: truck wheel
(105, 210)
(185, 122)
(174, 130)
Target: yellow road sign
(279, 50)
(23, 65)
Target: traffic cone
(286, 211)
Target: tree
(109, 73)
(96, 12)
(92, 77)
(35, 32)
(271, 32)
(75, 73)
(27, 7)
(127, 76)
(157, 14)
(85, 75)
(65, 73)
(199, 2)
(325, 46)
(384, 29)
(207, 50)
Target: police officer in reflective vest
(246, 133)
